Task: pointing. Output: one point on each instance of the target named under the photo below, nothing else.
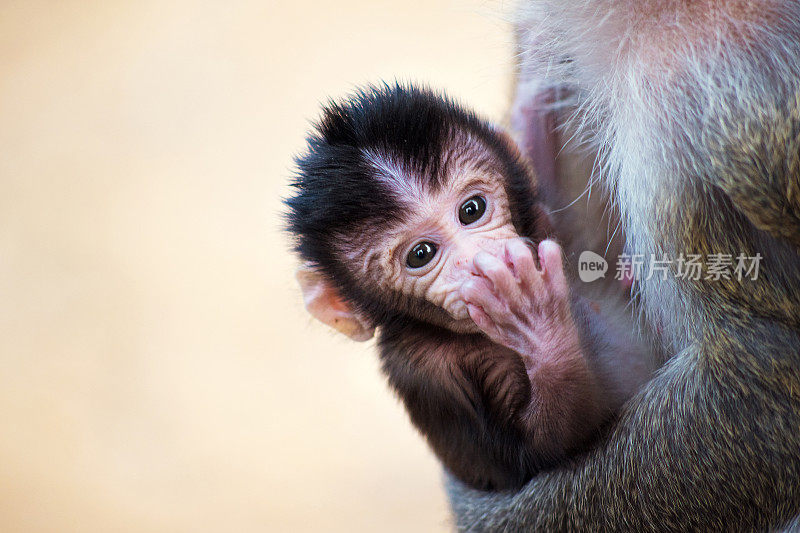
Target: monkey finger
(483, 321)
(497, 272)
(477, 292)
(552, 261)
(520, 256)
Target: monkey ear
(325, 304)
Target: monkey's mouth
(461, 322)
(453, 312)
(457, 309)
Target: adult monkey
(695, 108)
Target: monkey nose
(466, 253)
(463, 261)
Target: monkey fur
(694, 108)
(495, 410)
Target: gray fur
(698, 147)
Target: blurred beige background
(158, 370)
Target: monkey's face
(399, 190)
(428, 254)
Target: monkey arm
(466, 396)
(758, 161)
(580, 370)
(493, 416)
(691, 452)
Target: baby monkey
(415, 217)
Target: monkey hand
(521, 307)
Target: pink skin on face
(519, 306)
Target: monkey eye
(421, 254)
(472, 210)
